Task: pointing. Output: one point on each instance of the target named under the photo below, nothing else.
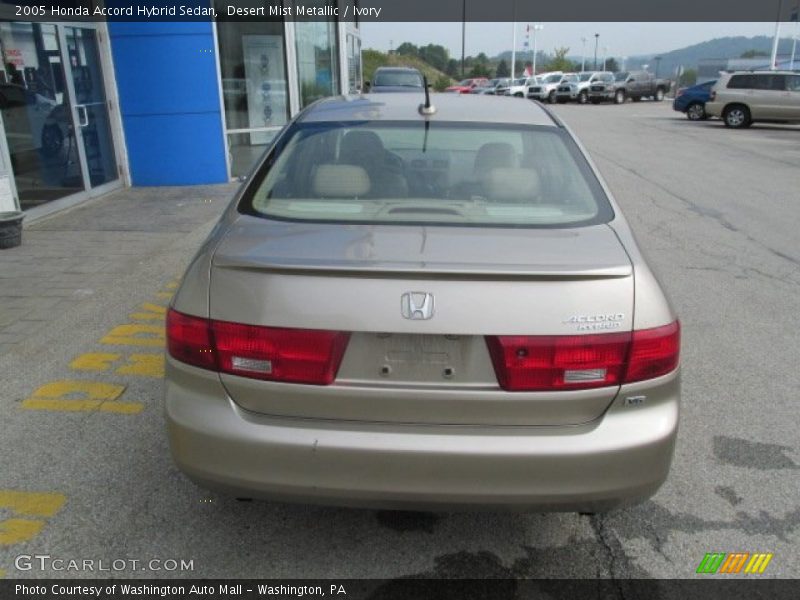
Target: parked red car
(465, 86)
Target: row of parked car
(742, 98)
(583, 87)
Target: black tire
(737, 116)
(583, 97)
(636, 98)
(551, 97)
(696, 111)
(619, 97)
(659, 95)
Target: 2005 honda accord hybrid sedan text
(418, 306)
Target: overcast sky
(622, 39)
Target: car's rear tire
(619, 97)
(659, 95)
(737, 116)
(696, 111)
(583, 97)
(551, 97)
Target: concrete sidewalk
(67, 258)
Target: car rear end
(463, 340)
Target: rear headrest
(361, 147)
(340, 181)
(512, 185)
(494, 155)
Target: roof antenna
(427, 108)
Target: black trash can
(11, 229)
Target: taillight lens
(579, 362)
(654, 352)
(271, 353)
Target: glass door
(85, 81)
(35, 110)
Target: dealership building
(89, 107)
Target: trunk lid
(485, 282)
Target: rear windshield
(449, 174)
(398, 78)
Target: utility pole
(583, 54)
(596, 36)
(513, 40)
(463, 33)
(605, 56)
(536, 27)
(773, 65)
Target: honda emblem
(416, 306)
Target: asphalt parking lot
(86, 472)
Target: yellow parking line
(60, 396)
(32, 504)
(134, 334)
(94, 361)
(145, 365)
(166, 295)
(153, 312)
(15, 531)
(2, 573)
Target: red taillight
(579, 362)
(558, 362)
(189, 340)
(654, 352)
(254, 351)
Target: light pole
(605, 56)
(513, 39)
(596, 36)
(463, 33)
(773, 65)
(536, 27)
(583, 54)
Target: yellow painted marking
(166, 295)
(767, 558)
(146, 365)
(27, 504)
(172, 285)
(96, 361)
(153, 312)
(60, 395)
(2, 573)
(32, 504)
(135, 334)
(14, 531)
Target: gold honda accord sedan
(418, 304)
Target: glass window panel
(316, 48)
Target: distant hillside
(372, 59)
(688, 57)
(725, 47)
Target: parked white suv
(744, 97)
(519, 87)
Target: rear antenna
(427, 108)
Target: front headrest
(360, 146)
(512, 185)
(340, 181)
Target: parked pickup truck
(629, 84)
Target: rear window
(398, 78)
(447, 174)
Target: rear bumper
(621, 458)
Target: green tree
(441, 83)
(560, 62)
(435, 55)
(611, 65)
(453, 68)
(407, 49)
(687, 78)
(753, 54)
(502, 69)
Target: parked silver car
(742, 98)
(412, 307)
